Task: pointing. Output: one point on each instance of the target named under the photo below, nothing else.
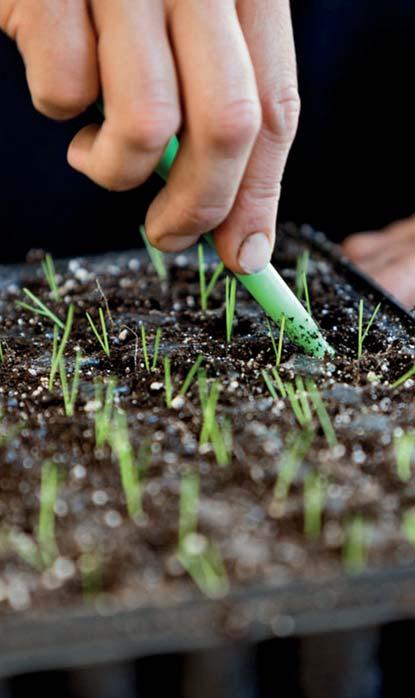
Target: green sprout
(144, 347)
(155, 350)
(291, 462)
(408, 525)
(268, 383)
(168, 387)
(102, 338)
(211, 431)
(90, 568)
(21, 545)
(190, 375)
(46, 525)
(70, 395)
(206, 290)
(58, 351)
(277, 349)
(301, 273)
(404, 446)
(230, 306)
(363, 332)
(197, 555)
(356, 545)
(124, 453)
(315, 493)
(298, 402)
(322, 413)
(39, 308)
(103, 415)
(49, 271)
(406, 376)
(278, 381)
(156, 257)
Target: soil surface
(260, 537)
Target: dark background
(351, 167)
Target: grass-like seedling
(206, 289)
(198, 556)
(404, 446)
(157, 257)
(291, 461)
(322, 413)
(124, 453)
(101, 337)
(278, 382)
(301, 273)
(299, 405)
(39, 308)
(156, 349)
(103, 415)
(90, 568)
(21, 545)
(49, 271)
(190, 375)
(168, 386)
(408, 525)
(277, 349)
(356, 545)
(144, 348)
(46, 525)
(230, 306)
(362, 331)
(211, 431)
(406, 376)
(58, 351)
(315, 493)
(146, 356)
(70, 394)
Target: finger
(368, 245)
(222, 122)
(57, 43)
(246, 239)
(140, 94)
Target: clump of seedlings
(156, 348)
(39, 308)
(101, 335)
(70, 394)
(49, 272)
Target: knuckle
(281, 112)
(62, 102)
(200, 216)
(150, 127)
(234, 126)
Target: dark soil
(260, 540)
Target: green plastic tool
(269, 289)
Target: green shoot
(102, 338)
(279, 383)
(363, 332)
(124, 453)
(70, 396)
(156, 348)
(321, 411)
(103, 416)
(408, 525)
(206, 290)
(302, 269)
(144, 347)
(230, 306)
(268, 383)
(199, 557)
(48, 268)
(190, 375)
(355, 546)
(39, 308)
(277, 350)
(46, 525)
(57, 352)
(1, 353)
(404, 445)
(301, 392)
(291, 462)
(156, 257)
(167, 381)
(211, 430)
(22, 545)
(303, 418)
(315, 492)
(406, 376)
(90, 567)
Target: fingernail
(255, 253)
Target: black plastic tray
(76, 636)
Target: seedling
(355, 546)
(278, 381)
(157, 257)
(406, 376)
(103, 416)
(277, 350)
(46, 525)
(144, 348)
(321, 411)
(20, 544)
(124, 453)
(101, 337)
(230, 306)
(48, 268)
(168, 384)
(198, 556)
(363, 332)
(211, 429)
(301, 272)
(155, 350)
(190, 375)
(58, 351)
(302, 416)
(408, 525)
(70, 395)
(404, 444)
(39, 308)
(268, 383)
(291, 461)
(315, 492)
(206, 290)
(167, 381)
(90, 567)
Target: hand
(222, 71)
(388, 257)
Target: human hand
(388, 256)
(221, 71)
